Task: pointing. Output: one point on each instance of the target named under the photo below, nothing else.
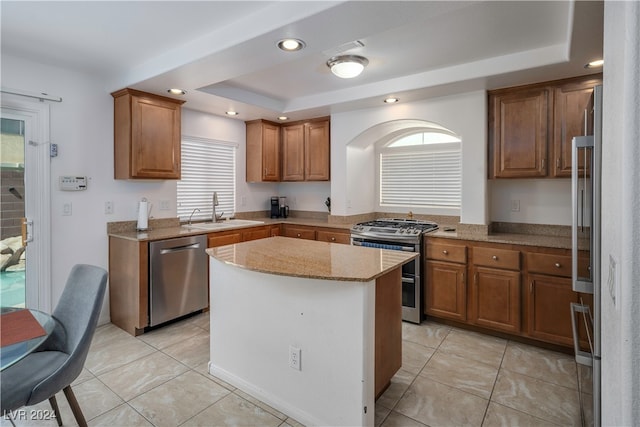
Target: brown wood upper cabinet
(146, 135)
(305, 151)
(531, 127)
(263, 151)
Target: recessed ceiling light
(232, 113)
(595, 64)
(291, 45)
(283, 118)
(391, 100)
(176, 91)
(347, 66)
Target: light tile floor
(449, 377)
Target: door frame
(36, 115)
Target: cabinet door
(223, 238)
(549, 316)
(518, 133)
(270, 152)
(572, 102)
(256, 233)
(445, 290)
(316, 151)
(495, 299)
(293, 153)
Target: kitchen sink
(229, 223)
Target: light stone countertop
(311, 259)
(548, 241)
(172, 231)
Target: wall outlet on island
(294, 358)
(515, 206)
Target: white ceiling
(224, 54)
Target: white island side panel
(256, 317)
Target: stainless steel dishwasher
(178, 278)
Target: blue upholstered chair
(60, 359)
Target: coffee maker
(284, 209)
(275, 207)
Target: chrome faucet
(214, 217)
(192, 212)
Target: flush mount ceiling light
(283, 118)
(595, 64)
(176, 91)
(231, 113)
(391, 100)
(291, 45)
(347, 66)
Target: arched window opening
(421, 170)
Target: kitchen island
(312, 328)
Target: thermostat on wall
(73, 183)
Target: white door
(25, 194)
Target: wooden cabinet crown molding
(531, 127)
(147, 135)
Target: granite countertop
(311, 259)
(549, 241)
(172, 228)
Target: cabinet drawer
(447, 252)
(256, 233)
(497, 258)
(299, 232)
(333, 237)
(222, 239)
(555, 265)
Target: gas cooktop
(393, 227)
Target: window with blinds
(421, 174)
(208, 166)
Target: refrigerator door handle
(582, 357)
(579, 284)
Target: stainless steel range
(401, 235)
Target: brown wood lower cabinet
(324, 234)
(516, 289)
(548, 305)
(494, 299)
(446, 290)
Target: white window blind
(421, 176)
(207, 166)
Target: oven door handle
(408, 280)
(384, 246)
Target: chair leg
(75, 408)
(54, 405)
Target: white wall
(542, 201)
(620, 218)
(464, 114)
(82, 126)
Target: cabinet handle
(475, 279)
(543, 161)
(446, 252)
(531, 287)
(462, 277)
(558, 265)
(333, 239)
(495, 257)
(558, 163)
(298, 235)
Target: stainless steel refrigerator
(585, 316)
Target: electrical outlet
(515, 206)
(164, 205)
(243, 201)
(294, 358)
(108, 208)
(67, 209)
